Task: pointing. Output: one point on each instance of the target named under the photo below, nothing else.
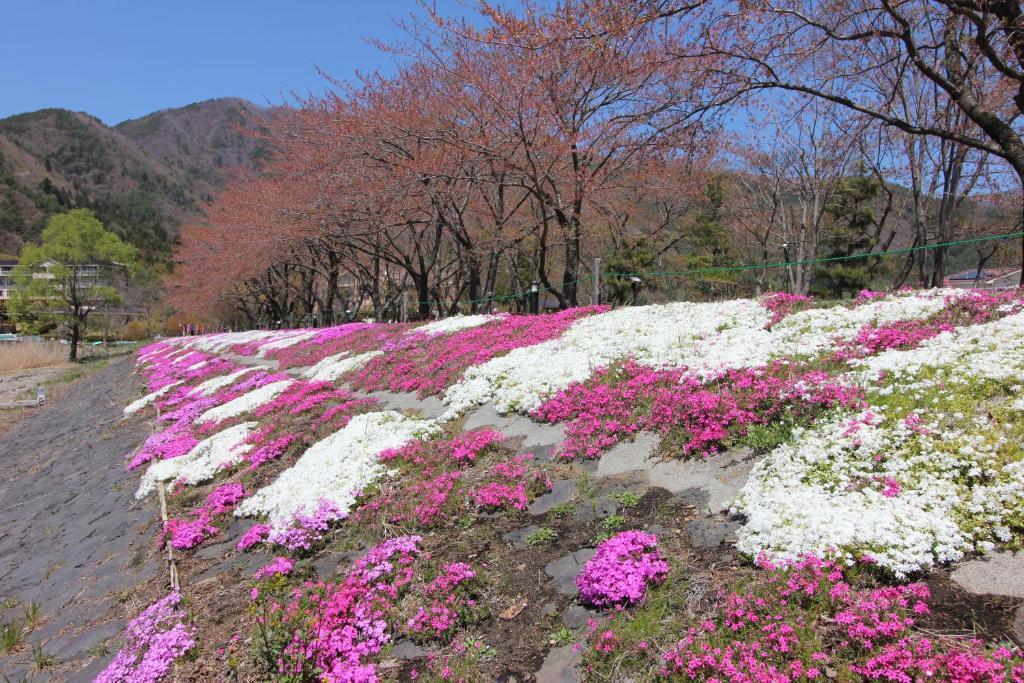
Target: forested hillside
(141, 177)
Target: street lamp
(789, 272)
(535, 298)
(635, 283)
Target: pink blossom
(621, 570)
(154, 639)
(279, 566)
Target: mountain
(201, 141)
(142, 177)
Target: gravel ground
(73, 541)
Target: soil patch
(73, 542)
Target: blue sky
(122, 60)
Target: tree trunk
(422, 295)
(491, 278)
(570, 286)
(75, 335)
(475, 302)
(1021, 282)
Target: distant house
(86, 275)
(6, 280)
(986, 278)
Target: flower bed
(705, 338)
(320, 475)
(432, 357)
(930, 471)
(154, 639)
(694, 416)
(352, 339)
(797, 622)
(334, 631)
(805, 622)
(441, 477)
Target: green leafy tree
(633, 256)
(708, 246)
(853, 214)
(70, 274)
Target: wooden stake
(171, 566)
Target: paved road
(72, 538)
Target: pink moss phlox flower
(172, 442)
(179, 436)
(461, 450)
(325, 342)
(465, 447)
(334, 630)
(153, 641)
(444, 598)
(619, 401)
(430, 364)
(189, 533)
(866, 296)
(279, 566)
(224, 497)
(782, 304)
(800, 618)
(511, 484)
(253, 536)
(308, 530)
(352, 338)
(621, 570)
(903, 334)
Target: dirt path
(72, 538)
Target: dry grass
(31, 354)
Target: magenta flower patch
(621, 570)
(619, 401)
(154, 639)
(429, 365)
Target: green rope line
(747, 266)
(504, 297)
(830, 259)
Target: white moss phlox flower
(333, 367)
(660, 336)
(219, 342)
(218, 382)
(336, 468)
(138, 404)
(993, 350)
(704, 337)
(454, 324)
(284, 340)
(915, 485)
(224, 449)
(246, 402)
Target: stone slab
(1001, 573)
(561, 492)
(720, 477)
(560, 666)
(513, 425)
(563, 571)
